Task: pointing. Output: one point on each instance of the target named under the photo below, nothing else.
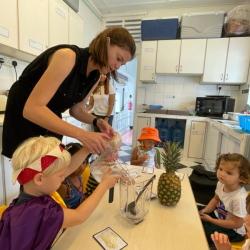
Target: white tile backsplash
(184, 89)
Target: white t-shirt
(101, 101)
(233, 203)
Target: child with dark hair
(225, 212)
(72, 190)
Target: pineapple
(169, 184)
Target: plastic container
(233, 116)
(159, 29)
(155, 106)
(163, 133)
(128, 194)
(202, 25)
(177, 134)
(243, 121)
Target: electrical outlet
(226, 87)
(170, 96)
(8, 61)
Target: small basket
(244, 122)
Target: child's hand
(110, 180)
(206, 217)
(202, 211)
(221, 241)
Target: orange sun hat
(149, 133)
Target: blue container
(177, 134)
(159, 29)
(243, 121)
(163, 133)
(248, 123)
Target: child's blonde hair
(241, 163)
(116, 142)
(35, 148)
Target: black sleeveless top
(73, 89)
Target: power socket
(8, 61)
(226, 87)
(170, 96)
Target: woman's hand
(221, 241)
(110, 180)
(106, 128)
(96, 142)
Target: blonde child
(145, 154)
(71, 189)
(225, 212)
(221, 241)
(33, 220)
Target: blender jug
(109, 159)
(134, 208)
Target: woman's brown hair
(241, 163)
(119, 36)
(106, 86)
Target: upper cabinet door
(75, 29)
(192, 56)
(238, 60)
(58, 23)
(168, 56)
(215, 62)
(33, 26)
(148, 60)
(8, 23)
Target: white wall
(91, 24)
(8, 75)
(184, 89)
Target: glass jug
(134, 208)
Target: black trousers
(110, 121)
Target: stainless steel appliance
(214, 106)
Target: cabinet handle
(226, 77)
(193, 126)
(147, 122)
(181, 68)
(176, 68)
(221, 77)
(153, 75)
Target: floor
(126, 151)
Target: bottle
(177, 134)
(163, 133)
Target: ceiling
(117, 6)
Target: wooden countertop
(171, 228)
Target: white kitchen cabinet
(197, 137)
(58, 23)
(229, 144)
(75, 29)
(238, 59)
(168, 56)
(8, 23)
(212, 146)
(192, 56)
(33, 26)
(148, 61)
(142, 122)
(215, 62)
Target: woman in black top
(62, 78)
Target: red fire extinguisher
(129, 105)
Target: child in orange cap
(145, 154)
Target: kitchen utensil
(3, 102)
(111, 195)
(131, 206)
